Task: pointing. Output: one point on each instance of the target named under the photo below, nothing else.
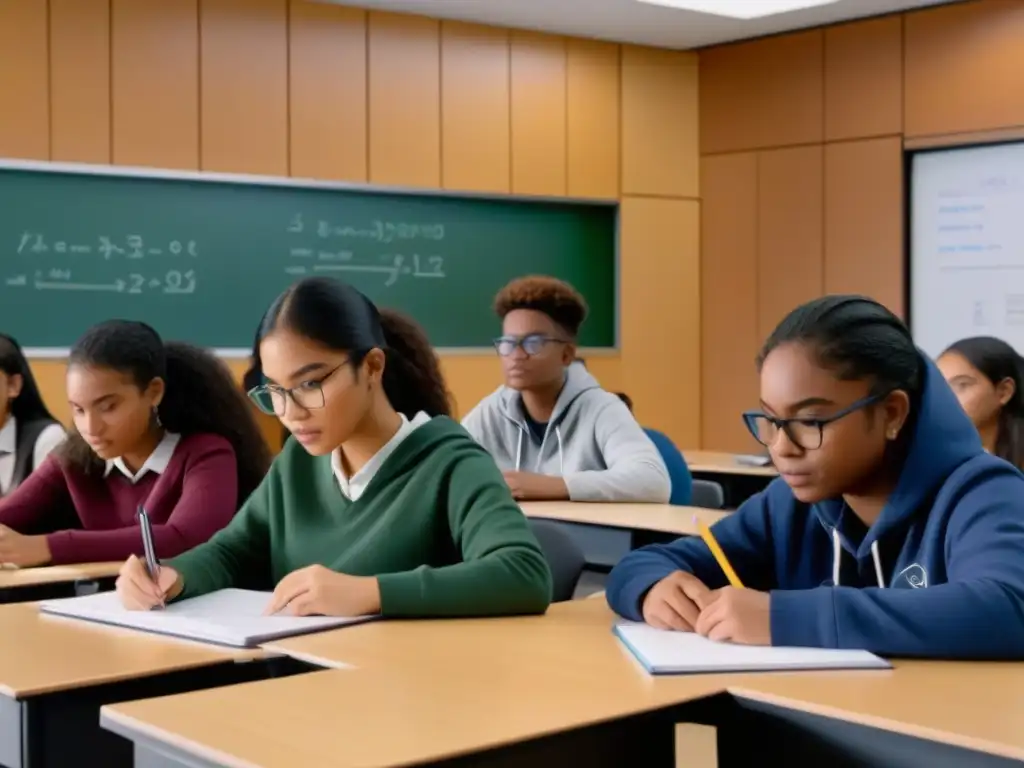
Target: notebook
(662, 652)
(753, 460)
(227, 617)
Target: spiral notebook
(662, 652)
(231, 617)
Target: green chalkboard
(200, 257)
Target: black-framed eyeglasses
(532, 344)
(272, 399)
(805, 433)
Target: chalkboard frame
(218, 177)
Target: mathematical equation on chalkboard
(319, 256)
(42, 262)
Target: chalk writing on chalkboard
(379, 231)
(393, 266)
(129, 246)
(173, 281)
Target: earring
(156, 417)
(892, 434)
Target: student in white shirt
(28, 431)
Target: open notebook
(672, 653)
(228, 617)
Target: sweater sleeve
(42, 494)
(503, 570)
(208, 500)
(635, 470)
(237, 556)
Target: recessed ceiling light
(741, 9)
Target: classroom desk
(55, 673)
(541, 690)
(24, 584)
(739, 481)
(660, 518)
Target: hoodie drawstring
(519, 450)
(837, 554)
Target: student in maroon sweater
(158, 424)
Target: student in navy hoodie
(889, 529)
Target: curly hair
(551, 296)
(336, 315)
(201, 394)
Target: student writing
(890, 528)
(986, 376)
(28, 432)
(159, 424)
(381, 503)
(552, 429)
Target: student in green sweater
(382, 504)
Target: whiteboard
(967, 245)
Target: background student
(28, 432)
(890, 528)
(380, 503)
(986, 376)
(552, 429)
(159, 425)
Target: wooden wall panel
(244, 86)
(24, 80)
(729, 299)
(155, 83)
(80, 80)
(405, 100)
(475, 108)
(286, 86)
(592, 118)
(660, 289)
(538, 114)
(763, 93)
(659, 123)
(964, 68)
(864, 78)
(864, 219)
(327, 121)
(789, 232)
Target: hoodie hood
(578, 380)
(942, 438)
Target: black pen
(152, 564)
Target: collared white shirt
(354, 487)
(156, 463)
(48, 439)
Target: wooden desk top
(647, 517)
(54, 574)
(723, 463)
(430, 690)
(40, 654)
(977, 706)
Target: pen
(152, 564)
(716, 550)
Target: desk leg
(753, 733)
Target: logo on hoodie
(913, 576)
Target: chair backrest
(678, 473)
(707, 494)
(564, 556)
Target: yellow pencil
(716, 550)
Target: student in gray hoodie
(551, 429)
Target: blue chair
(678, 472)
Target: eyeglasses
(532, 344)
(804, 433)
(272, 399)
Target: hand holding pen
(144, 584)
